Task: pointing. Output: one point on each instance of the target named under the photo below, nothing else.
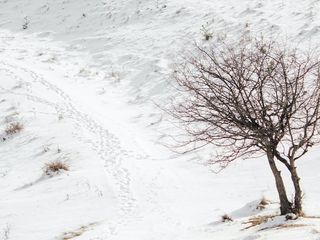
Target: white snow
(83, 79)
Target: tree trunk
(298, 193)
(285, 205)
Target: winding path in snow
(133, 211)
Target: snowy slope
(82, 78)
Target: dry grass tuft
(284, 226)
(55, 167)
(258, 220)
(14, 128)
(78, 232)
(290, 226)
(226, 218)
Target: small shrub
(55, 167)
(25, 25)
(14, 128)
(226, 218)
(206, 33)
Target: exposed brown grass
(290, 226)
(55, 167)
(284, 226)
(14, 128)
(258, 220)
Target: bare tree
(251, 97)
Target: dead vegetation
(282, 226)
(14, 128)
(226, 218)
(78, 232)
(258, 220)
(207, 34)
(55, 167)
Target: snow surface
(83, 78)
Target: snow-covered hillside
(83, 77)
